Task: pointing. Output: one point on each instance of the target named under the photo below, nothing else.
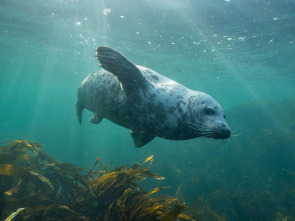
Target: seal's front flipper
(127, 73)
(96, 119)
(141, 139)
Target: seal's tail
(79, 111)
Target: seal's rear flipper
(141, 139)
(79, 111)
(127, 73)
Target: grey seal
(149, 104)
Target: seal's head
(209, 120)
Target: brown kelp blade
(15, 171)
(148, 159)
(14, 214)
(50, 189)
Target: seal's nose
(222, 132)
(226, 133)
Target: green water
(239, 52)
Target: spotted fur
(149, 104)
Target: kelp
(35, 186)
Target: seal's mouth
(222, 131)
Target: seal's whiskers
(225, 144)
(233, 133)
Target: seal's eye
(209, 111)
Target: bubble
(106, 11)
(242, 38)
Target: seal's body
(148, 103)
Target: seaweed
(35, 186)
